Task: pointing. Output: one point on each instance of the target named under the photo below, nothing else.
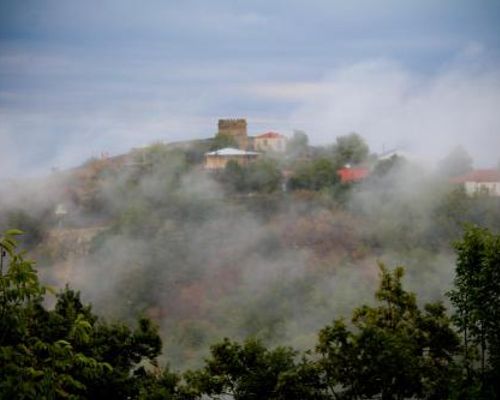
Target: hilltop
(272, 248)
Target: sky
(81, 78)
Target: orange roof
(356, 174)
(479, 175)
(270, 135)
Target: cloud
(77, 79)
(393, 106)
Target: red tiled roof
(353, 174)
(270, 135)
(479, 175)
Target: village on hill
(232, 144)
(244, 235)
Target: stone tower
(236, 128)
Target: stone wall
(233, 127)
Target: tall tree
(476, 298)
(350, 149)
(396, 351)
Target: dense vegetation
(272, 252)
(392, 350)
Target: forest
(274, 280)
(391, 350)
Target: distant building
(480, 181)
(60, 213)
(60, 210)
(235, 128)
(215, 160)
(350, 174)
(394, 152)
(270, 141)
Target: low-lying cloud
(393, 106)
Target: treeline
(391, 350)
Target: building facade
(270, 141)
(485, 181)
(218, 159)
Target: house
(350, 174)
(215, 160)
(270, 141)
(480, 181)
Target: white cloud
(393, 106)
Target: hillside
(209, 255)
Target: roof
(393, 152)
(230, 151)
(353, 174)
(479, 175)
(271, 135)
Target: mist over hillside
(276, 200)
(207, 255)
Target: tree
(65, 352)
(458, 162)
(314, 175)
(34, 227)
(350, 149)
(264, 176)
(234, 177)
(222, 140)
(298, 145)
(261, 176)
(251, 371)
(397, 351)
(476, 298)
(34, 363)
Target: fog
(165, 239)
(395, 107)
(387, 103)
(170, 243)
(79, 80)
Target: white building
(270, 141)
(480, 181)
(218, 159)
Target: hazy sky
(78, 78)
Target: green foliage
(222, 140)
(251, 371)
(392, 350)
(396, 351)
(314, 175)
(262, 176)
(65, 352)
(33, 226)
(349, 149)
(476, 298)
(233, 176)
